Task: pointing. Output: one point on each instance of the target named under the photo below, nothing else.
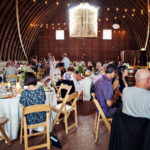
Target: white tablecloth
(10, 108)
(86, 86)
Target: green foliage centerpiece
(23, 69)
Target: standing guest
(136, 100)
(9, 70)
(66, 61)
(33, 95)
(104, 91)
(42, 62)
(34, 64)
(49, 57)
(52, 66)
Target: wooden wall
(94, 49)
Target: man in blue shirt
(104, 91)
(66, 61)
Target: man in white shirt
(66, 61)
(10, 70)
(136, 100)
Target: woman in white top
(52, 65)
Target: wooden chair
(33, 109)
(11, 76)
(66, 109)
(59, 93)
(3, 121)
(41, 73)
(98, 119)
(4, 84)
(54, 85)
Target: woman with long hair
(121, 81)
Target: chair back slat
(12, 76)
(36, 108)
(63, 87)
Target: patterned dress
(34, 97)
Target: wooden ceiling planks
(38, 13)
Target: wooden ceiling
(34, 13)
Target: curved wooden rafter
(38, 13)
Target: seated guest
(9, 70)
(33, 95)
(59, 72)
(120, 83)
(90, 66)
(69, 74)
(62, 68)
(136, 100)
(98, 68)
(72, 76)
(104, 91)
(1, 79)
(99, 71)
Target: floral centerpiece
(23, 69)
(81, 69)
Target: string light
(117, 9)
(132, 15)
(46, 25)
(34, 1)
(133, 10)
(107, 19)
(99, 20)
(142, 12)
(123, 16)
(57, 3)
(125, 10)
(45, 2)
(108, 9)
(115, 17)
(68, 4)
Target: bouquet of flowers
(23, 70)
(81, 69)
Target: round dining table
(11, 108)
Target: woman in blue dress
(33, 95)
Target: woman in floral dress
(33, 95)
